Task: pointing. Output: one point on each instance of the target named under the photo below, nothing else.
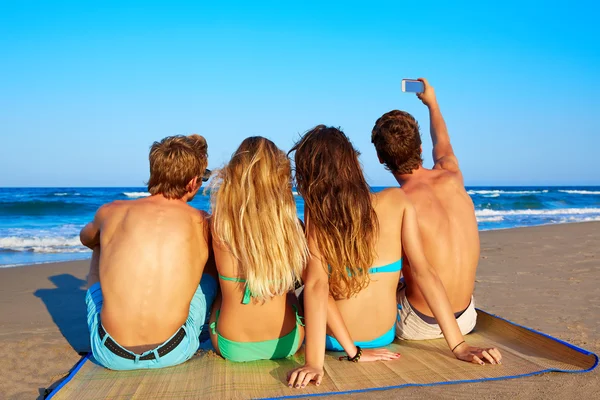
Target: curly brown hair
(174, 162)
(398, 142)
(339, 210)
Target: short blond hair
(174, 162)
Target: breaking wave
(54, 244)
(135, 195)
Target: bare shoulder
(448, 162)
(394, 193)
(202, 219)
(114, 204)
(394, 197)
(108, 209)
(449, 175)
(449, 178)
(196, 220)
(198, 216)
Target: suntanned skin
(446, 216)
(373, 311)
(149, 255)
(253, 322)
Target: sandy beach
(547, 278)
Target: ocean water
(39, 225)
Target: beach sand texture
(547, 278)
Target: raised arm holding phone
(446, 220)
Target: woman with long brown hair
(357, 240)
(260, 252)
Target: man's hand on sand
(428, 95)
(302, 376)
(478, 355)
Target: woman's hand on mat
(478, 355)
(300, 377)
(378, 355)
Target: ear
(380, 160)
(193, 185)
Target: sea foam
(496, 218)
(596, 192)
(499, 192)
(136, 194)
(54, 244)
(558, 211)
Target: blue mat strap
(500, 378)
(70, 376)
(569, 345)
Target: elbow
(85, 239)
(82, 238)
(317, 288)
(88, 245)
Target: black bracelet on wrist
(356, 356)
(455, 347)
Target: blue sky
(85, 89)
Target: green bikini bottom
(265, 350)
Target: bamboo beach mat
(207, 376)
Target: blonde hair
(254, 216)
(174, 162)
(338, 204)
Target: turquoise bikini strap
(247, 294)
(226, 278)
(213, 325)
(298, 317)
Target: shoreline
(546, 278)
(7, 266)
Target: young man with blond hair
(446, 218)
(148, 299)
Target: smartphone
(412, 86)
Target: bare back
(372, 312)
(239, 322)
(153, 252)
(449, 233)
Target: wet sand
(547, 278)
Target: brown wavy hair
(398, 142)
(255, 217)
(338, 202)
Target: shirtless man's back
(145, 294)
(445, 213)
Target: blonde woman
(260, 252)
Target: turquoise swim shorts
(195, 324)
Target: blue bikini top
(393, 267)
(396, 266)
